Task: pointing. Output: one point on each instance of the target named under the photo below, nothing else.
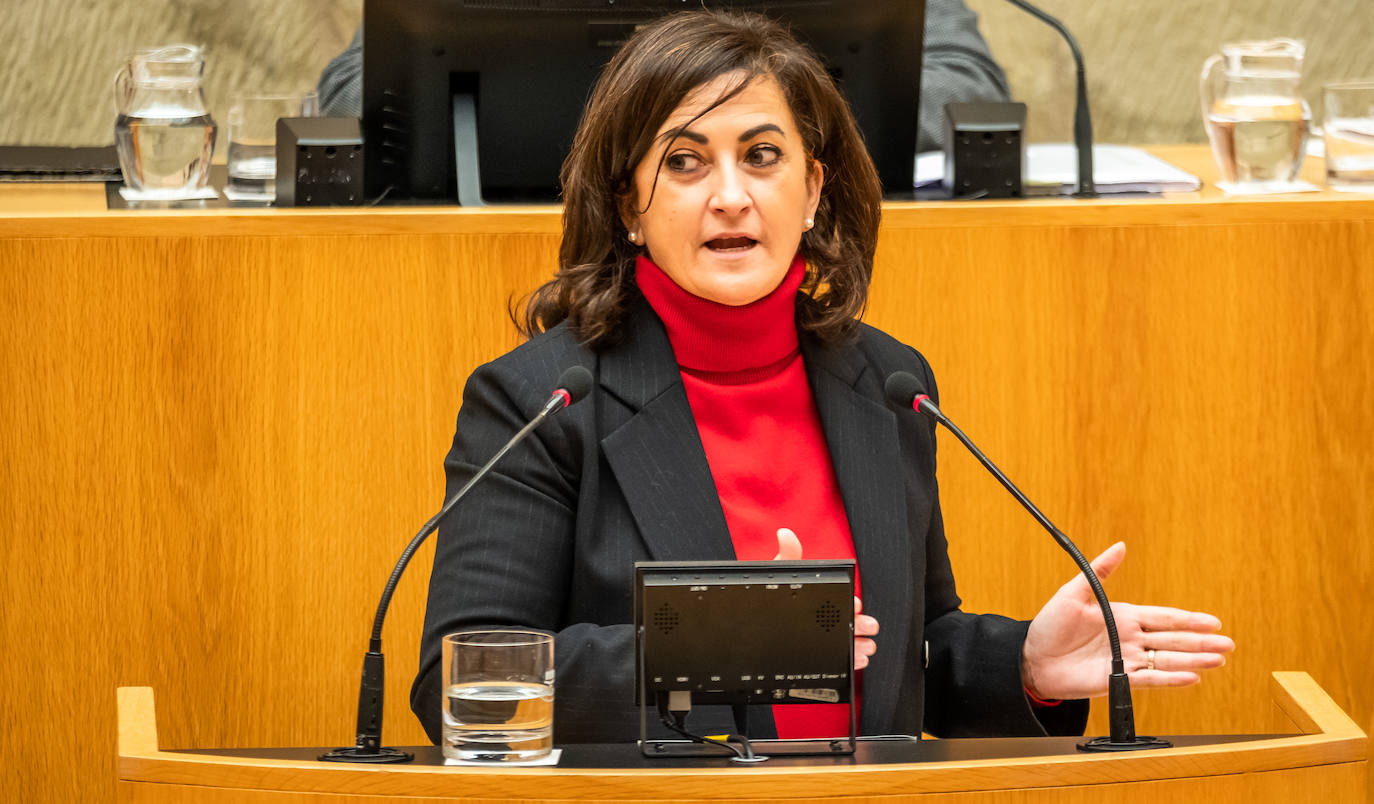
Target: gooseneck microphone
(1082, 121)
(904, 390)
(573, 384)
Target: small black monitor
(746, 632)
(515, 75)
(742, 633)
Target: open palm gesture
(1066, 654)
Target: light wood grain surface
(221, 428)
(1330, 785)
(1327, 756)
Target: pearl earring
(633, 238)
(810, 222)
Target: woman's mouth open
(731, 245)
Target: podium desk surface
(871, 751)
(1324, 759)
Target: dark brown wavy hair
(641, 86)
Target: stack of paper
(1051, 166)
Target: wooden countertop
(61, 210)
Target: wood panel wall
(215, 449)
(220, 429)
(1202, 391)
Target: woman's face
(735, 191)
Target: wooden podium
(219, 424)
(1322, 759)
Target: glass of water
(498, 695)
(253, 139)
(1349, 132)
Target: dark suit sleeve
(973, 678)
(956, 66)
(341, 83)
(504, 557)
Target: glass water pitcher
(164, 133)
(1254, 112)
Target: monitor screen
(526, 68)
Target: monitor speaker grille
(665, 618)
(828, 616)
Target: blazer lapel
(656, 455)
(861, 433)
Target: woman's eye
(762, 155)
(682, 162)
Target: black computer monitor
(515, 76)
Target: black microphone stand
(1082, 120)
(1121, 713)
(368, 747)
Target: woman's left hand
(865, 627)
(1066, 654)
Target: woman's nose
(730, 194)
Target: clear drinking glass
(1349, 133)
(498, 695)
(253, 138)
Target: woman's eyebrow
(757, 130)
(684, 133)
(701, 139)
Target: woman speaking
(720, 221)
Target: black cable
(679, 727)
(374, 202)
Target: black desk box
(984, 149)
(319, 162)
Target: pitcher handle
(1204, 90)
(123, 79)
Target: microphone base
(362, 754)
(1142, 743)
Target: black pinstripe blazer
(549, 540)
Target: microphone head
(902, 389)
(576, 382)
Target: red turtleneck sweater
(746, 382)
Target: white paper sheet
(1116, 169)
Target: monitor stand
(465, 150)
(669, 748)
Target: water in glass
(502, 719)
(1349, 129)
(253, 168)
(1258, 139)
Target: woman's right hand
(789, 549)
